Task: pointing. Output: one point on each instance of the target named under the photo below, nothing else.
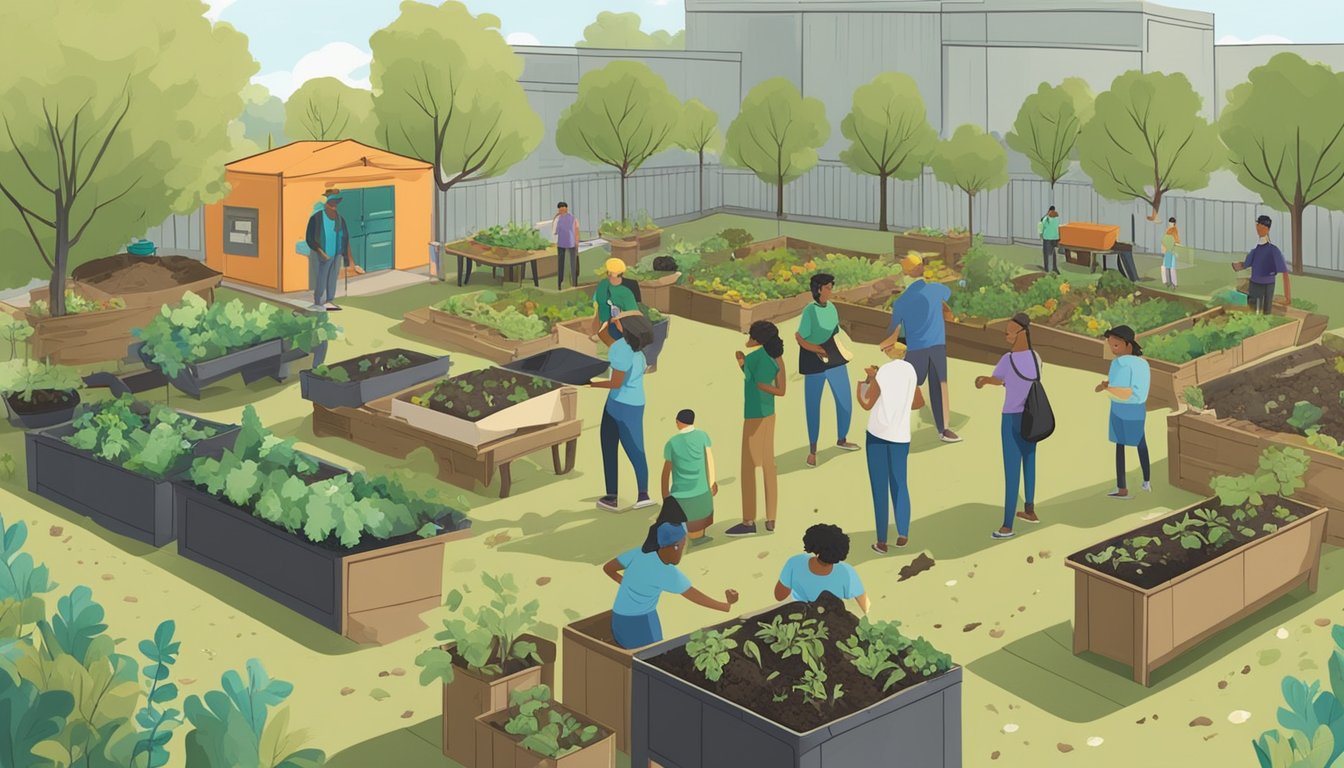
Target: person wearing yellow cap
(921, 310)
(613, 297)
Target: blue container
(142, 248)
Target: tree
(624, 114)
(115, 115)
(698, 132)
(889, 133)
(262, 124)
(446, 91)
(1284, 131)
(1147, 138)
(974, 162)
(326, 109)
(1047, 128)
(776, 135)
(621, 31)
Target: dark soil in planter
(43, 401)
(664, 264)
(1168, 559)
(1308, 374)
(510, 667)
(473, 396)
(499, 719)
(744, 683)
(127, 273)
(376, 364)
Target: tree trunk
(1299, 208)
(623, 195)
(970, 215)
(61, 260)
(1156, 203)
(702, 178)
(779, 198)
(882, 202)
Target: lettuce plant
(150, 440)
(488, 640)
(24, 377)
(547, 731)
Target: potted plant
(38, 395)
(804, 684)
(631, 238)
(1148, 595)
(114, 464)
(539, 732)
(483, 659)
(951, 244)
(481, 406)
(358, 554)
(354, 382)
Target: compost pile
(770, 688)
(473, 396)
(125, 273)
(1269, 397)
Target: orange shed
(252, 234)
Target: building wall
(247, 190)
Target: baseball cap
(615, 266)
(333, 195)
(1124, 333)
(669, 534)
(1264, 221)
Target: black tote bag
(1038, 418)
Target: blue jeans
(886, 473)
(1019, 462)
(813, 385)
(636, 631)
(623, 426)
(322, 277)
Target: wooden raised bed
(1169, 380)
(630, 248)
(1146, 628)
(655, 292)
(459, 464)
(950, 249)
(596, 674)
(513, 261)
(461, 335)
(807, 248)
(1314, 324)
(374, 593)
(538, 411)
(497, 749)
(355, 393)
(471, 695)
(573, 334)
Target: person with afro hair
(821, 568)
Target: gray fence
(181, 235)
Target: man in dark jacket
(328, 239)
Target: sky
(296, 40)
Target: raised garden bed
(1171, 378)
(472, 694)
(592, 743)
(482, 406)
(354, 382)
(253, 363)
(595, 672)
(629, 240)
(499, 326)
(1203, 576)
(45, 408)
(682, 719)
(950, 246)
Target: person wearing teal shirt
(688, 474)
(612, 297)
(1127, 384)
(623, 416)
(1049, 230)
(821, 568)
(763, 380)
(822, 362)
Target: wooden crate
(595, 674)
(460, 335)
(950, 249)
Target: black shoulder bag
(1038, 418)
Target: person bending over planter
(612, 297)
(1015, 372)
(623, 416)
(644, 574)
(889, 394)
(763, 380)
(822, 362)
(688, 474)
(1127, 384)
(921, 309)
(821, 568)
(670, 512)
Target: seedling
(709, 649)
(545, 730)
(1305, 416)
(487, 640)
(1194, 397)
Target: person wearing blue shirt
(644, 574)
(623, 416)
(821, 568)
(1127, 384)
(327, 241)
(1265, 262)
(921, 309)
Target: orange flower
(1063, 288)
(1051, 304)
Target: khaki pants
(758, 452)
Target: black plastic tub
(118, 499)
(353, 394)
(25, 416)
(254, 363)
(561, 365)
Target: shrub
(736, 238)
(519, 237)
(235, 727)
(1311, 722)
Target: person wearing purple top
(566, 229)
(1265, 262)
(1015, 372)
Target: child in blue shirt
(1127, 384)
(822, 568)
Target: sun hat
(669, 534)
(615, 266)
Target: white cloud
(1257, 40)
(522, 38)
(661, 2)
(338, 60)
(217, 8)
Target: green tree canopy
(1147, 138)
(446, 91)
(1284, 131)
(115, 114)
(262, 124)
(698, 132)
(624, 114)
(621, 30)
(972, 161)
(1047, 127)
(326, 109)
(889, 133)
(776, 135)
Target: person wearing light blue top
(623, 416)
(921, 309)
(645, 573)
(327, 242)
(821, 568)
(1127, 384)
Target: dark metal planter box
(41, 420)
(354, 394)
(678, 725)
(372, 593)
(116, 498)
(254, 363)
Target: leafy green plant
(519, 237)
(14, 330)
(735, 237)
(1209, 335)
(24, 377)
(151, 440)
(235, 726)
(1194, 397)
(546, 730)
(1116, 556)
(1200, 528)
(781, 273)
(1305, 416)
(1311, 722)
(925, 659)
(936, 232)
(488, 640)
(800, 637)
(709, 648)
(158, 723)
(875, 648)
(1323, 442)
(75, 304)
(618, 229)
(7, 466)
(522, 314)
(31, 717)
(332, 374)
(1304, 305)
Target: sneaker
(812, 461)
(609, 503)
(1001, 534)
(901, 541)
(845, 445)
(880, 547)
(1147, 486)
(643, 502)
(742, 529)
(1029, 517)
(1119, 495)
(318, 307)
(332, 308)
(770, 526)
(949, 436)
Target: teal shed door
(370, 215)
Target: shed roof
(315, 158)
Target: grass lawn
(1002, 609)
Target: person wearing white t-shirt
(890, 394)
